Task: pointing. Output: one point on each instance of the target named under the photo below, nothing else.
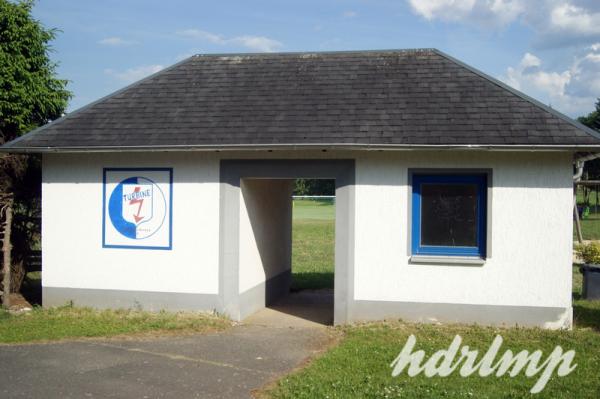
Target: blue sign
(137, 206)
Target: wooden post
(576, 215)
(6, 250)
(596, 203)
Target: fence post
(6, 250)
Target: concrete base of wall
(265, 293)
(118, 299)
(251, 301)
(530, 316)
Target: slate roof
(376, 99)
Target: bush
(590, 253)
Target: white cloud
(133, 74)
(569, 18)
(202, 35)
(555, 22)
(115, 41)
(349, 14)
(258, 43)
(480, 12)
(572, 90)
(443, 9)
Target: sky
(549, 49)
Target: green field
(313, 244)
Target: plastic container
(591, 281)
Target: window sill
(448, 260)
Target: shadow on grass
(311, 280)
(586, 314)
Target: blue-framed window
(449, 214)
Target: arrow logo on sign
(140, 201)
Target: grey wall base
(120, 299)
(264, 294)
(529, 316)
(251, 301)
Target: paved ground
(304, 309)
(222, 365)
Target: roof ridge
(291, 53)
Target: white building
(453, 192)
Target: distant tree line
(314, 187)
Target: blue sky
(550, 49)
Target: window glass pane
(449, 214)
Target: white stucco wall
(265, 230)
(73, 256)
(529, 263)
(531, 232)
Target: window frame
(482, 180)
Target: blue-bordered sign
(137, 208)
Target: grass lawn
(313, 244)
(71, 322)
(314, 209)
(359, 365)
(590, 227)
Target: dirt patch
(18, 304)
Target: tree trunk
(17, 276)
(7, 258)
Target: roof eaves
(305, 146)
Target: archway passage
(288, 242)
(256, 239)
(311, 297)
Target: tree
(592, 119)
(314, 187)
(30, 96)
